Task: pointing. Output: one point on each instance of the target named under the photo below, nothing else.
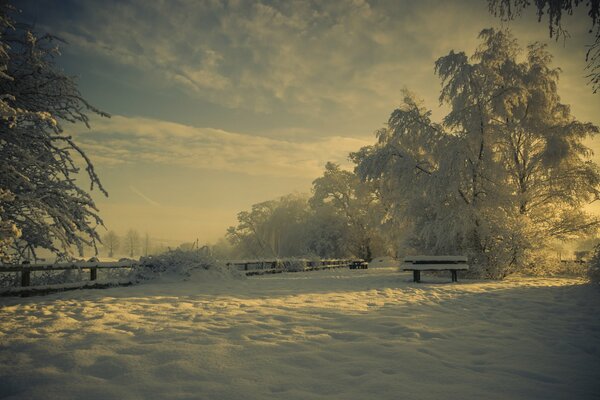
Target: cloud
(127, 140)
(345, 59)
(305, 56)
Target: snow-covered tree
(356, 202)
(131, 242)
(147, 245)
(327, 233)
(38, 161)
(274, 228)
(554, 10)
(506, 170)
(341, 219)
(251, 236)
(8, 230)
(111, 242)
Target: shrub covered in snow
(292, 265)
(176, 263)
(552, 266)
(594, 266)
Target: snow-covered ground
(338, 334)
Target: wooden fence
(252, 267)
(25, 270)
(259, 267)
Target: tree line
(504, 175)
(132, 244)
(341, 219)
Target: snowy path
(340, 334)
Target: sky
(218, 105)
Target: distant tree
(288, 225)
(252, 234)
(111, 242)
(223, 250)
(147, 245)
(507, 170)
(555, 9)
(275, 228)
(341, 219)
(356, 201)
(39, 196)
(131, 241)
(327, 233)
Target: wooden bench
(416, 264)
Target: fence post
(25, 276)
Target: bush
(547, 264)
(292, 265)
(175, 263)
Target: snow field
(335, 334)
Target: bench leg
(417, 276)
(454, 275)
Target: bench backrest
(435, 259)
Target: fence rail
(252, 267)
(26, 269)
(259, 267)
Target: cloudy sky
(217, 105)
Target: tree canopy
(506, 170)
(341, 219)
(555, 10)
(41, 205)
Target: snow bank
(181, 265)
(334, 334)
